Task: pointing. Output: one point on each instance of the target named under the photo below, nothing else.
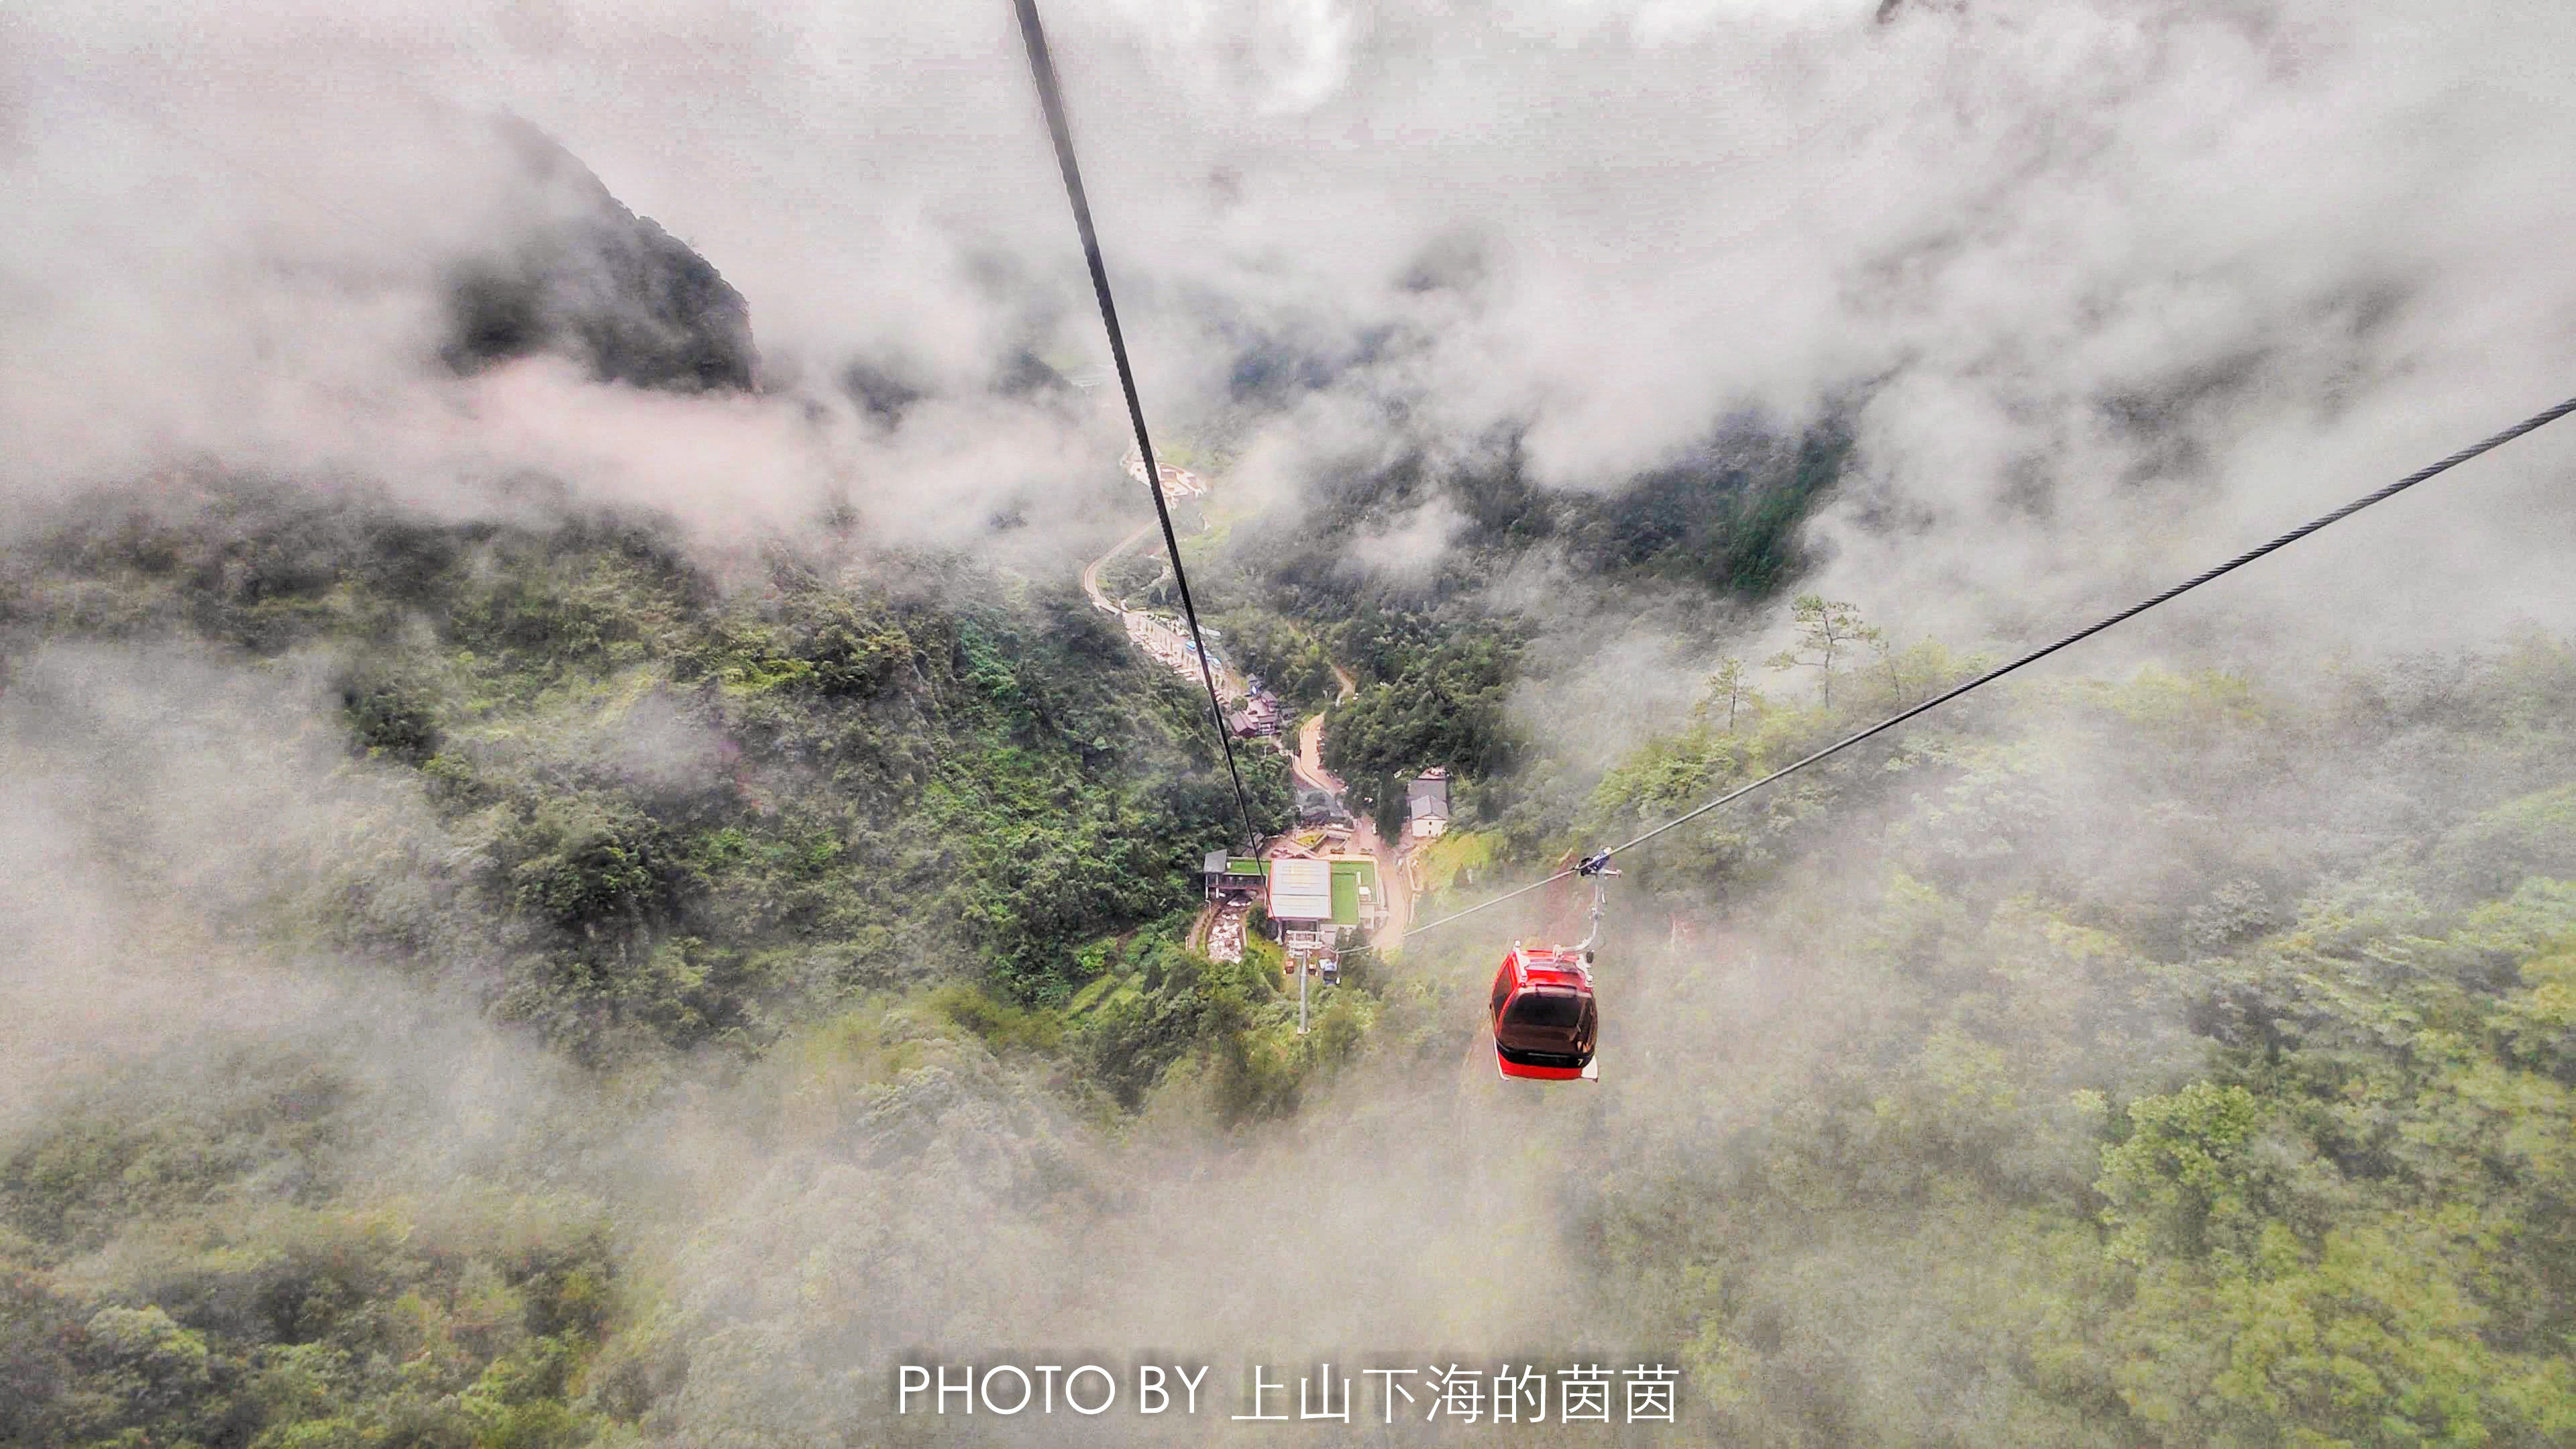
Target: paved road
(1308, 765)
(1310, 757)
(1390, 879)
(1091, 571)
(1310, 739)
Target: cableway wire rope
(1042, 65)
(2529, 424)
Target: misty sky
(2113, 287)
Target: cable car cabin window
(1547, 1009)
(1502, 987)
(1543, 1023)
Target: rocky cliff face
(591, 280)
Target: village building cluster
(1167, 641)
(1177, 482)
(1321, 892)
(1259, 718)
(1255, 712)
(1319, 905)
(1322, 895)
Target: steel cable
(2529, 424)
(1042, 65)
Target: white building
(1426, 804)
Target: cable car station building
(1319, 905)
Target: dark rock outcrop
(593, 281)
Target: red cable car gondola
(1546, 1020)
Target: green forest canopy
(2181, 1059)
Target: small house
(1233, 876)
(1426, 804)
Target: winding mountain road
(1310, 757)
(1306, 763)
(1141, 625)
(1091, 571)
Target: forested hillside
(566, 784)
(2181, 1059)
(1425, 583)
(695, 811)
